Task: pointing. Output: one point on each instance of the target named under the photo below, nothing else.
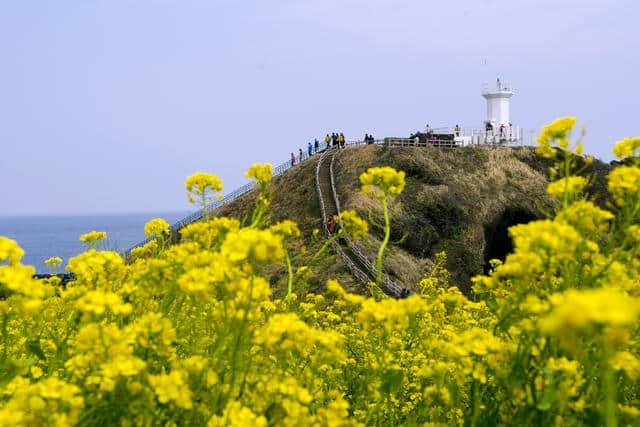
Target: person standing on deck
(341, 139)
(310, 150)
(334, 139)
(316, 145)
(293, 159)
(301, 156)
(457, 130)
(327, 140)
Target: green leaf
(391, 381)
(34, 347)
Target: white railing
(498, 86)
(359, 274)
(230, 197)
(389, 286)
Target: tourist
(293, 159)
(330, 225)
(316, 145)
(327, 140)
(341, 139)
(457, 130)
(489, 127)
(334, 139)
(310, 150)
(366, 138)
(301, 157)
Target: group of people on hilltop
(335, 140)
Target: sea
(42, 237)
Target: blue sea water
(42, 237)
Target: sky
(107, 106)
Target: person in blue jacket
(310, 149)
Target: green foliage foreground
(190, 334)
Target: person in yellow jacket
(341, 140)
(327, 140)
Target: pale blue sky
(107, 106)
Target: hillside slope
(461, 201)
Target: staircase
(352, 254)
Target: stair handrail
(389, 285)
(216, 204)
(359, 274)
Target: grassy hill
(461, 201)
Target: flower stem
(387, 235)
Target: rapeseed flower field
(189, 334)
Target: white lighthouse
(497, 103)
(498, 127)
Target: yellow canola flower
(122, 365)
(476, 349)
(236, 415)
(172, 387)
(156, 227)
(286, 228)
(261, 173)
(93, 236)
(18, 278)
(353, 224)
(209, 233)
(144, 250)
(391, 314)
(10, 251)
(97, 269)
(287, 332)
(53, 261)
(627, 362)
(153, 331)
(201, 182)
(581, 312)
(624, 183)
(572, 186)
(200, 281)
(253, 245)
(557, 131)
(627, 147)
(538, 243)
(47, 402)
(380, 181)
(586, 217)
(98, 301)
